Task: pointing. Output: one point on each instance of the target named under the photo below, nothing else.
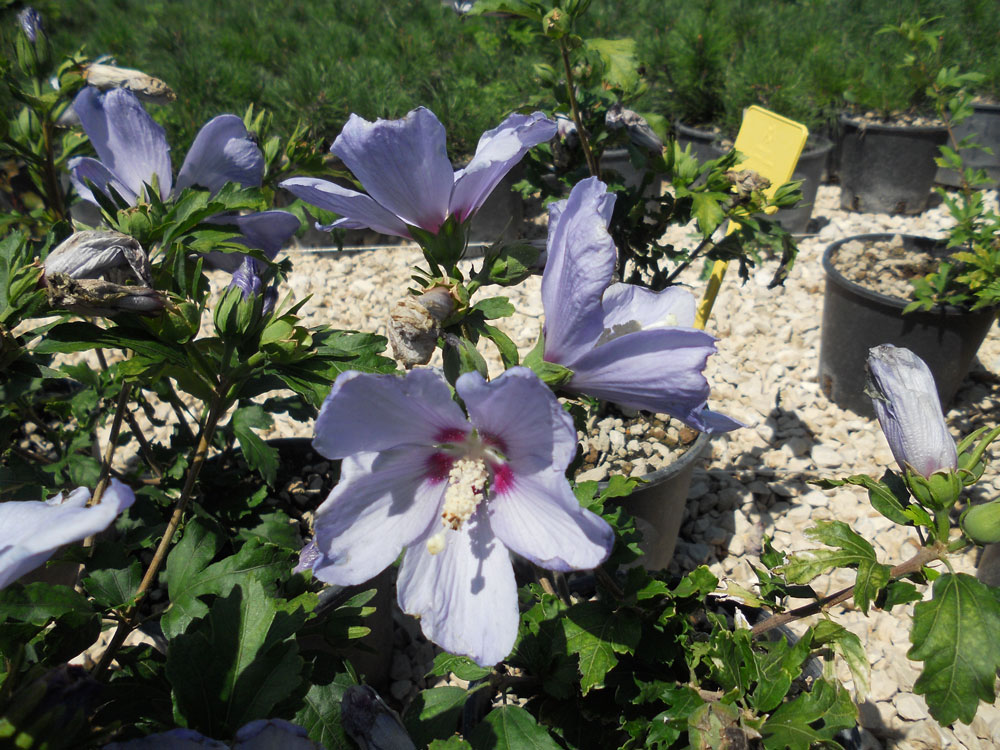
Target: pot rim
(846, 119)
(885, 299)
(695, 450)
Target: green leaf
(236, 664)
(37, 603)
(900, 592)
(259, 456)
(849, 646)
(815, 716)
(851, 551)
(955, 635)
(511, 728)
(494, 307)
(706, 209)
(434, 713)
(597, 633)
(79, 336)
(461, 666)
(452, 743)
(320, 714)
(620, 63)
(114, 587)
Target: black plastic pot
(887, 168)
(984, 124)
(658, 506)
(704, 143)
(810, 168)
(855, 319)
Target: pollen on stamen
(466, 485)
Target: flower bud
(146, 87)
(415, 324)
(32, 47)
(31, 24)
(939, 491)
(908, 409)
(981, 523)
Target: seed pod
(146, 87)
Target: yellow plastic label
(771, 145)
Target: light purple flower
(404, 167)
(459, 494)
(31, 23)
(31, 531)
(909, 411)
(132, 148)
(624, 343)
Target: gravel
(754, 483)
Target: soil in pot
(885, 167)
(867, 288)
(661, 451)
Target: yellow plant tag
(772, 145)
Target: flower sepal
(447, 246)
(939, 491)
(550, 373)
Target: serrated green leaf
(815, 716)
(320, 714)
(494, 307)
(37, 603)
(511, 728)
(114, 587)
(851, 550)
(78, 336)
(462, 667)
(955, 635)
(452, 743)
(900, 592)
(434, 713)
(621, 68)
(259, 456)
(597, 633)
(236, 664)
(706, 209)
(849, 646)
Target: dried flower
(415, 324)
(146, 87)
(99, 253)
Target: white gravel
(755, 482)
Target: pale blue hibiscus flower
(458, 494)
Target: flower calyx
(939, 492)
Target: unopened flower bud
(146, 87)
(908, 409)
(31, 24)
(100, 253)
(415, 324)
(982, 523)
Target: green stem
(109, 453)
(575, 108)
(130, 620)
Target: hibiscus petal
(382, 502)
(223, 151)
(175, 739)
(627, 304)
(539, 518)
(31, 532)
(402, 164)
(581, 261)
(265, 230)
(658, 369)
(367, 412)
(83, 168)
(465, 595)
(496, 154)
(127, 140)
(359, 210)
(537, 435)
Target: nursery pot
(984, 124)
(887, 168)
(809, 169)
(855, 319)
(658, 505)
(704, 143)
